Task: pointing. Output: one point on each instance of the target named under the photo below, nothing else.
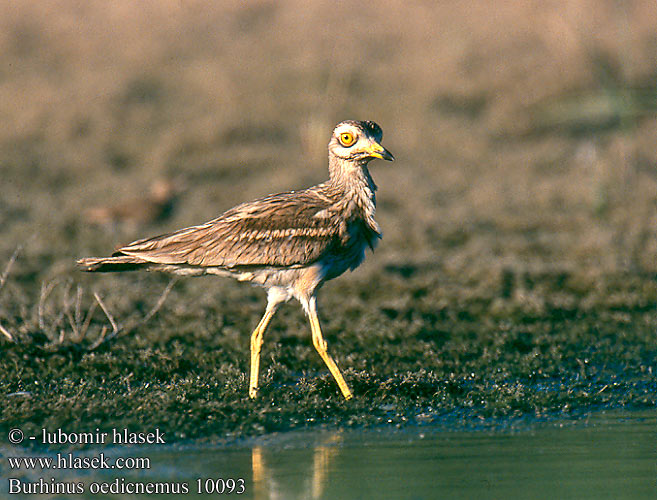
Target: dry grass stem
(62, 317)
(10, 264)
(160, 301)
(6, 333)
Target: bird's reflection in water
(259, 473)
(266, 484)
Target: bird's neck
(356, 189)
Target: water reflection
(265, 483)
(322, 458)
(606, 456)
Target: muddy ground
(517, 276)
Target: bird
(155, 206)
(289, 243)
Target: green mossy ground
(466, 361)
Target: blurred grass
(517, 270)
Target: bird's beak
(375, 150)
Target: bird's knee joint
(320, 344)
(256, 342)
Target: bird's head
(358, 141)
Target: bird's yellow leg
(256, 345)
(320, 345)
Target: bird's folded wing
(288, 229)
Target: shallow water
(607, 455)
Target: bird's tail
(112, 264)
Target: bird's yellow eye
(347, 139)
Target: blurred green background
(525, 131)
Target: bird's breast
(356, 237)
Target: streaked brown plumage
(289, 243)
